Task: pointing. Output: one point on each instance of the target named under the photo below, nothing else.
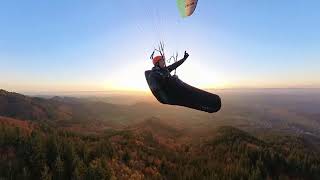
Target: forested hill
(35, 153)
(35, 144)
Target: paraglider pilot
(171, 90)
(160, 64)
(160, 75)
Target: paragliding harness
(171, 90)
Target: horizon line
(148, 91)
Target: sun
(131, 78)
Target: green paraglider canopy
(186, 7)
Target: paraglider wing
(171, 90)
(186, 7)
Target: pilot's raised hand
(186, 55)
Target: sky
(66, 45)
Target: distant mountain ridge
(55, 109)
(295, 114)
(23, 107)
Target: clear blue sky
(66, 45)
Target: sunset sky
(66, 45)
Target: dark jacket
(159, 78)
